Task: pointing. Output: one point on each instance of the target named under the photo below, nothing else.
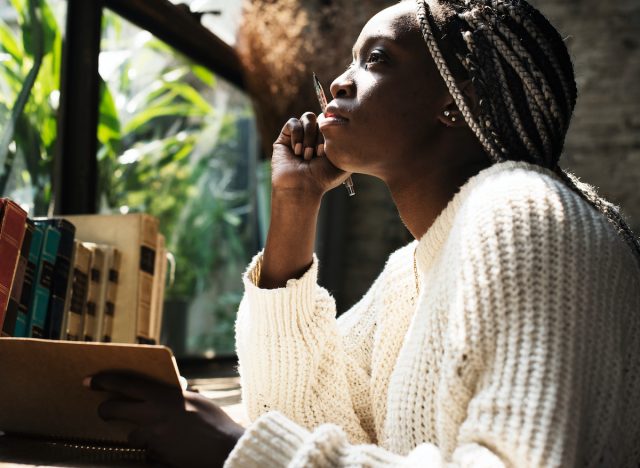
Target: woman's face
(383, 117)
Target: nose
(343, 86)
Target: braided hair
(523, 76)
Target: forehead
(397, 23)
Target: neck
(421, 199)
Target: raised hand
(299, 163)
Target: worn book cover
(60, 276)
(28, 283)
(135, 236)
(43, 282)
(79, 292)
(115, 258)
(9, 326)
(12, 227)
(97, 286)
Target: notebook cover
(42, 393)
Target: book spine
(12, 227)
(93, 299)
(79, 293)
(158, 289)
(148, 242)
(9, 327)
(28, 284)
(111, 295)
(60, 279)
(44, 279)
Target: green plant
(173, 153)
(29, 78)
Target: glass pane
(30, 57)
(180, 143)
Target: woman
(507, 334)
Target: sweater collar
(432, 241)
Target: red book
(12, 227)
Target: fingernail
(298, 149)
(308, 153)
(86, 382)
(320, 149)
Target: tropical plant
(29, 84)
(172, 148)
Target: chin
(339, 157)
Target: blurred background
(171, 108)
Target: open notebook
(41, 392)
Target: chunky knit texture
(522, 348)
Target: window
(178, 142)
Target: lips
(332, 116)
(332, 111)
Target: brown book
(12, 227)
(157, 298)
(111, 295)
(95, 296)
(15, 300)
(42, 393)
(135, 236)
(79, 292)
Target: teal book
(22, 319)
(60, 280)
(43, 283)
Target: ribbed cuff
(272, 440)
(297, 296)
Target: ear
(450, 115)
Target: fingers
(311, 131)
(137, 412)
(303, 136)
(135, 386)
(293, 131)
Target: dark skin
(387, 119)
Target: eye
(376, 56)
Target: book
(157, 298)
(9, 326)
(12, 227)
(111, 295)
(52, 403)
(43, 281)
(79, 290)
(135, 236)
(60, 276)
(95, 296)
(22, 320)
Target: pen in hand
(322, 99)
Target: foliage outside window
(30, 57)
(174, 141)
(179, 143)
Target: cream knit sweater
(521, 349)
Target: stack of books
(81, 278)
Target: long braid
(523, 76)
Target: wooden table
(24, 452)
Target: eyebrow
(370, 39)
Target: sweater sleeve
(292, 358)
(530, 304)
